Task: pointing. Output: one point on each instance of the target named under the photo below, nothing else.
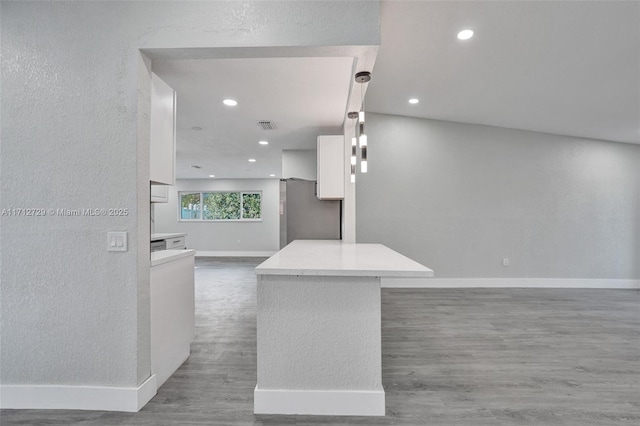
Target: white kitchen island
(319, 327)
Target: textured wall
(459, 198)
(221, 236)
(69, 308)
(338, 321)
(300, 163)
(72, 313)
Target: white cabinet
(172, 241)
(172, 312)
(163, 132)
(177, 243)
(331, 167)
(159, 193)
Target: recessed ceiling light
(252, 160)
(196, 128)
(465, 34)
(263, 143)
(230, 102)
(414, 101)
(272, 175)
(212, 175)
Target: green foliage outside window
(221, 206)
(251, 208)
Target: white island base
(319, 328)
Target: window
(221, 206)
(190, 206)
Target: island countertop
(337, 258)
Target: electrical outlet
(505, 261)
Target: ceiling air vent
(267, 125)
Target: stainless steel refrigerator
(304, 217)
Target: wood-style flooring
(450, 357)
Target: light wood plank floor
(450, 357)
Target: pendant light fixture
(362, 77)
(354, 149)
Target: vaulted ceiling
(563, 67)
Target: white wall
(72, 313)
(300, 163)
(235, 237)
(459, 198)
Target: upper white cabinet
(163, 132)
(159, 193)
(331, 167)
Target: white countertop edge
(165, 235)
(337, 258)
(346, 273)
(166, 256)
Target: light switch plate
(116, 241)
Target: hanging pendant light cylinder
(361, 117)
(354, 152)
(363, 140)
(363, 136)
(354, 146)
(363, 161)
(363, 149)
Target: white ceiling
(563, 67)
(303, 96)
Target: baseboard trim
(204, 253)
(509, 283)
(54, 397)
(330, 403)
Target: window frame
(202, 194)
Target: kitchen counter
(336, 258)
(165, 256)
(319, 327)
(165, 236)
